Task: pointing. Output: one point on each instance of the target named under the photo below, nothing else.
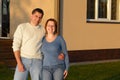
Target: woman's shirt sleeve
(64, 50)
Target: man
(26, 46)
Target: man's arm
(18, 60)
(17, 41)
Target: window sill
(103, 21)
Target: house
(91, 28)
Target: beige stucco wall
(20, 11)
(81, 35)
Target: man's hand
(61, 56)
(21, 68)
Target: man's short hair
(38, 10)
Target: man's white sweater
(28, 39)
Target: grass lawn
(5, 73)
(99, 71)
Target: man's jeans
(53, 72)
(32, 66)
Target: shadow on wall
(19, 13)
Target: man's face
(36, 18)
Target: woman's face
(50, 28)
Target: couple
(40, 51)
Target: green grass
(5, 73)
(100, 71)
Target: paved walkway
(94, 62)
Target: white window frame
(108, 19)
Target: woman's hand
(65, 74)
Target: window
(103, 10)
(4, 18)
(0, 18)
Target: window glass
(114, 9)
(102, 9)
(0, 10)
(91, 9)
(5, 18)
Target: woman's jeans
(32, 66)
(53, 72)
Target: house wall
(85, 41)
(20, 11)
(78, 33)
(81, 35)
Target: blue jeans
(53, 72)
(32, 66)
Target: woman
(53, 45)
